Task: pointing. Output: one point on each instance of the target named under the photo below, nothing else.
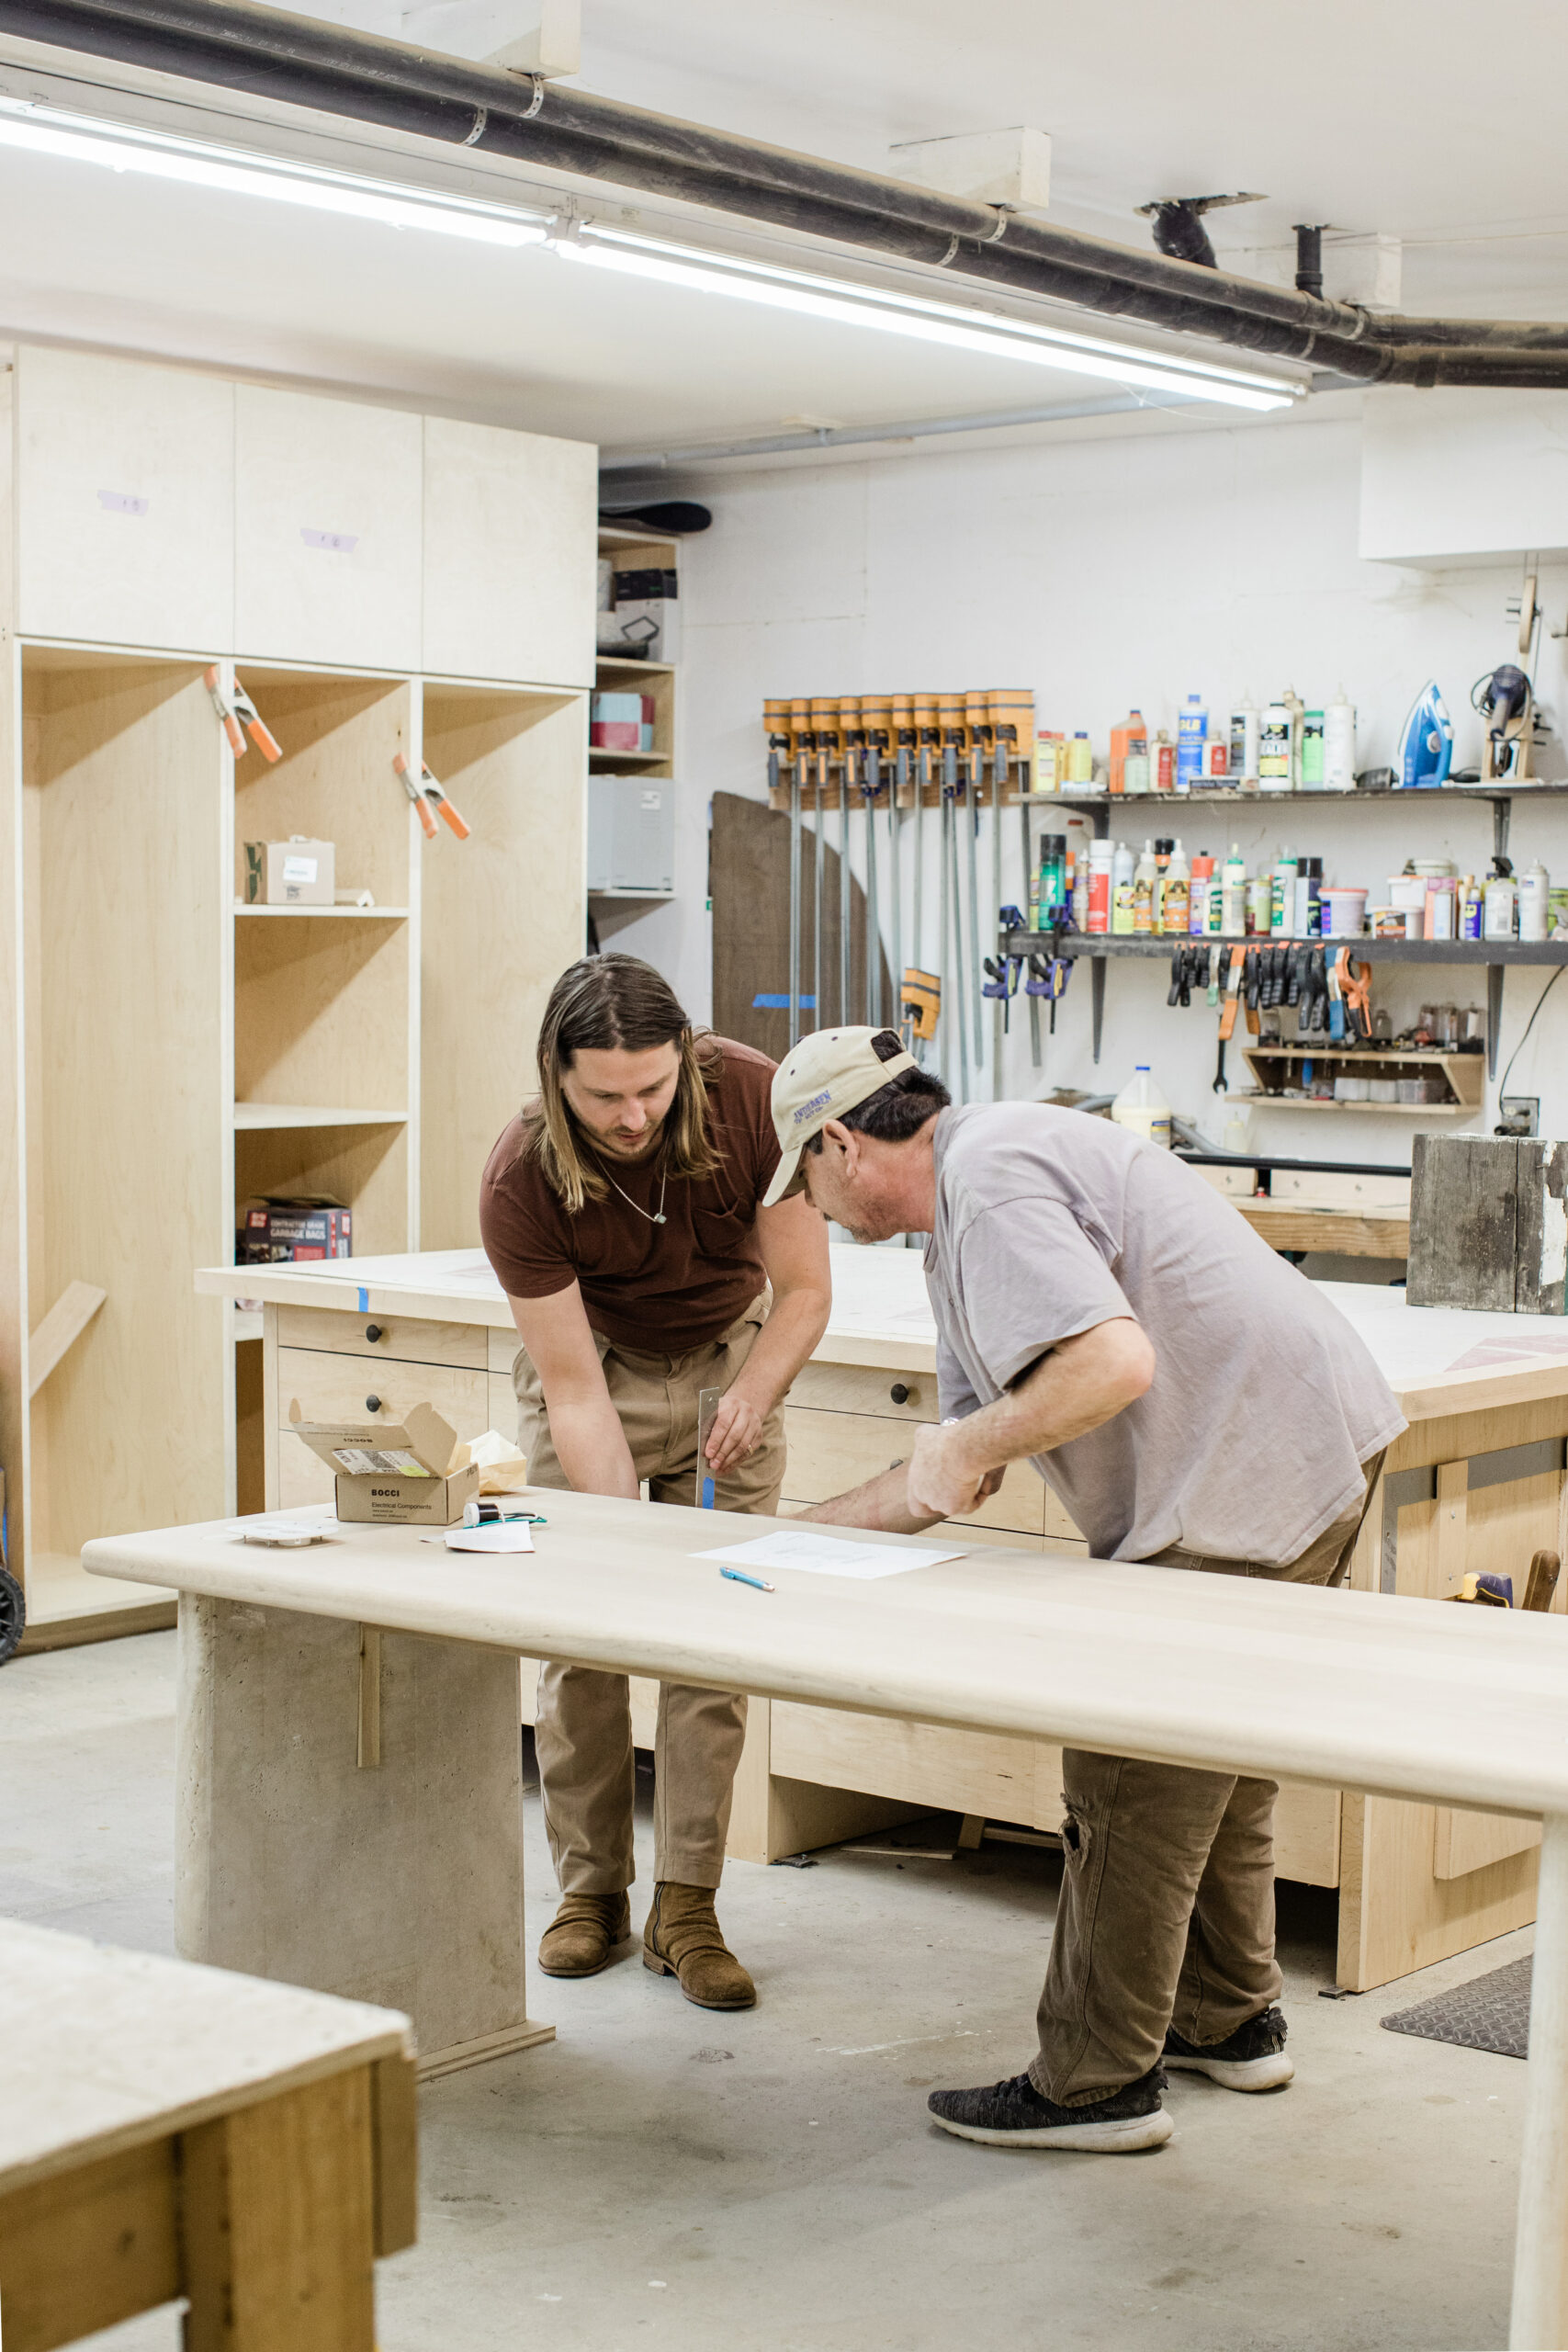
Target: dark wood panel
(749, 884)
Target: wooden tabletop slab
(1401, 1698)
(106, 2048)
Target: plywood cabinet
(125, 509)
(328, 498)
(174, 1052)
(508, 554)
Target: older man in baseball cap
(1102, 1311)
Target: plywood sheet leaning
(749, 884)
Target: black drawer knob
(899, 1394)
(372, 1332)
(372, 1404)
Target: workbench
(169, 2131)
(1476, 1483)
(383, 1867)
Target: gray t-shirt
(1264, 1403)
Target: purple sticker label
(333, 542)
(120, 501)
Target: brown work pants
(583, 1731)
(1167, 1910)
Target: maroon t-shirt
(659, 1288)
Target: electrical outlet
(1520, 1114)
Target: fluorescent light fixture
(236, 171)
(927, 321)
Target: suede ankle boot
(583, 1933)
(683, 1939)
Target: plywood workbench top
(1437, 1358)
(107, 2049)
(1416, 1700)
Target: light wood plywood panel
(365, 1168)
(125, 502)
(510, 550)
(14, 1304)
(988, 1773)
(336, 782)
(327, 532)
(321, 1014)
(504, 915)
(127, 927)
(1306, 1835)
(503, 1400)
(405, 1338)
(1396, 1914)
(829, 1452)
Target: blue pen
(755, 1582)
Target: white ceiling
(1393, 119)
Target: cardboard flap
(420, 1446)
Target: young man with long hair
(623, 1212)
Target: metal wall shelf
(1230, 796)
(1493, 956)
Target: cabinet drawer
(503, 1347)
(853, 1388)
(302, 1477)
(336, 1388)
(406, 1339)
(831, 1452)
(993, 1774)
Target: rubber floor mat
(1491, 2012)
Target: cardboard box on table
(410, 1474)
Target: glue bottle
(1177, 903)
(1143, 889)
(1141, 1106)
(1122, 888)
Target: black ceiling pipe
(266, 53)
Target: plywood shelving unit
(613, 673)
(174, 1052)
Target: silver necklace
(654, 1216)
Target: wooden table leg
(277, 2223)
(1540, 2322)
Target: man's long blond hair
(610, 1004)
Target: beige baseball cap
(826, 1074)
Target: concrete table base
(396, 1880)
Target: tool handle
(262, 737)
(445, 809)
(1545, 1569)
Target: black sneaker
(1014, 2115)
(1252, 2058)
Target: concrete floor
(770, 2182)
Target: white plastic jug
(1141, 1106)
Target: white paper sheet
(830, 1556)
(492, 1536)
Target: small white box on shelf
(294, 873)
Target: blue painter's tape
(706, 1503)
(363, 1301)
(781, 1005)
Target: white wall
(1101, 572)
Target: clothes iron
(1426, 741)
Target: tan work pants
(583, 1732)
(1167, 1910)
